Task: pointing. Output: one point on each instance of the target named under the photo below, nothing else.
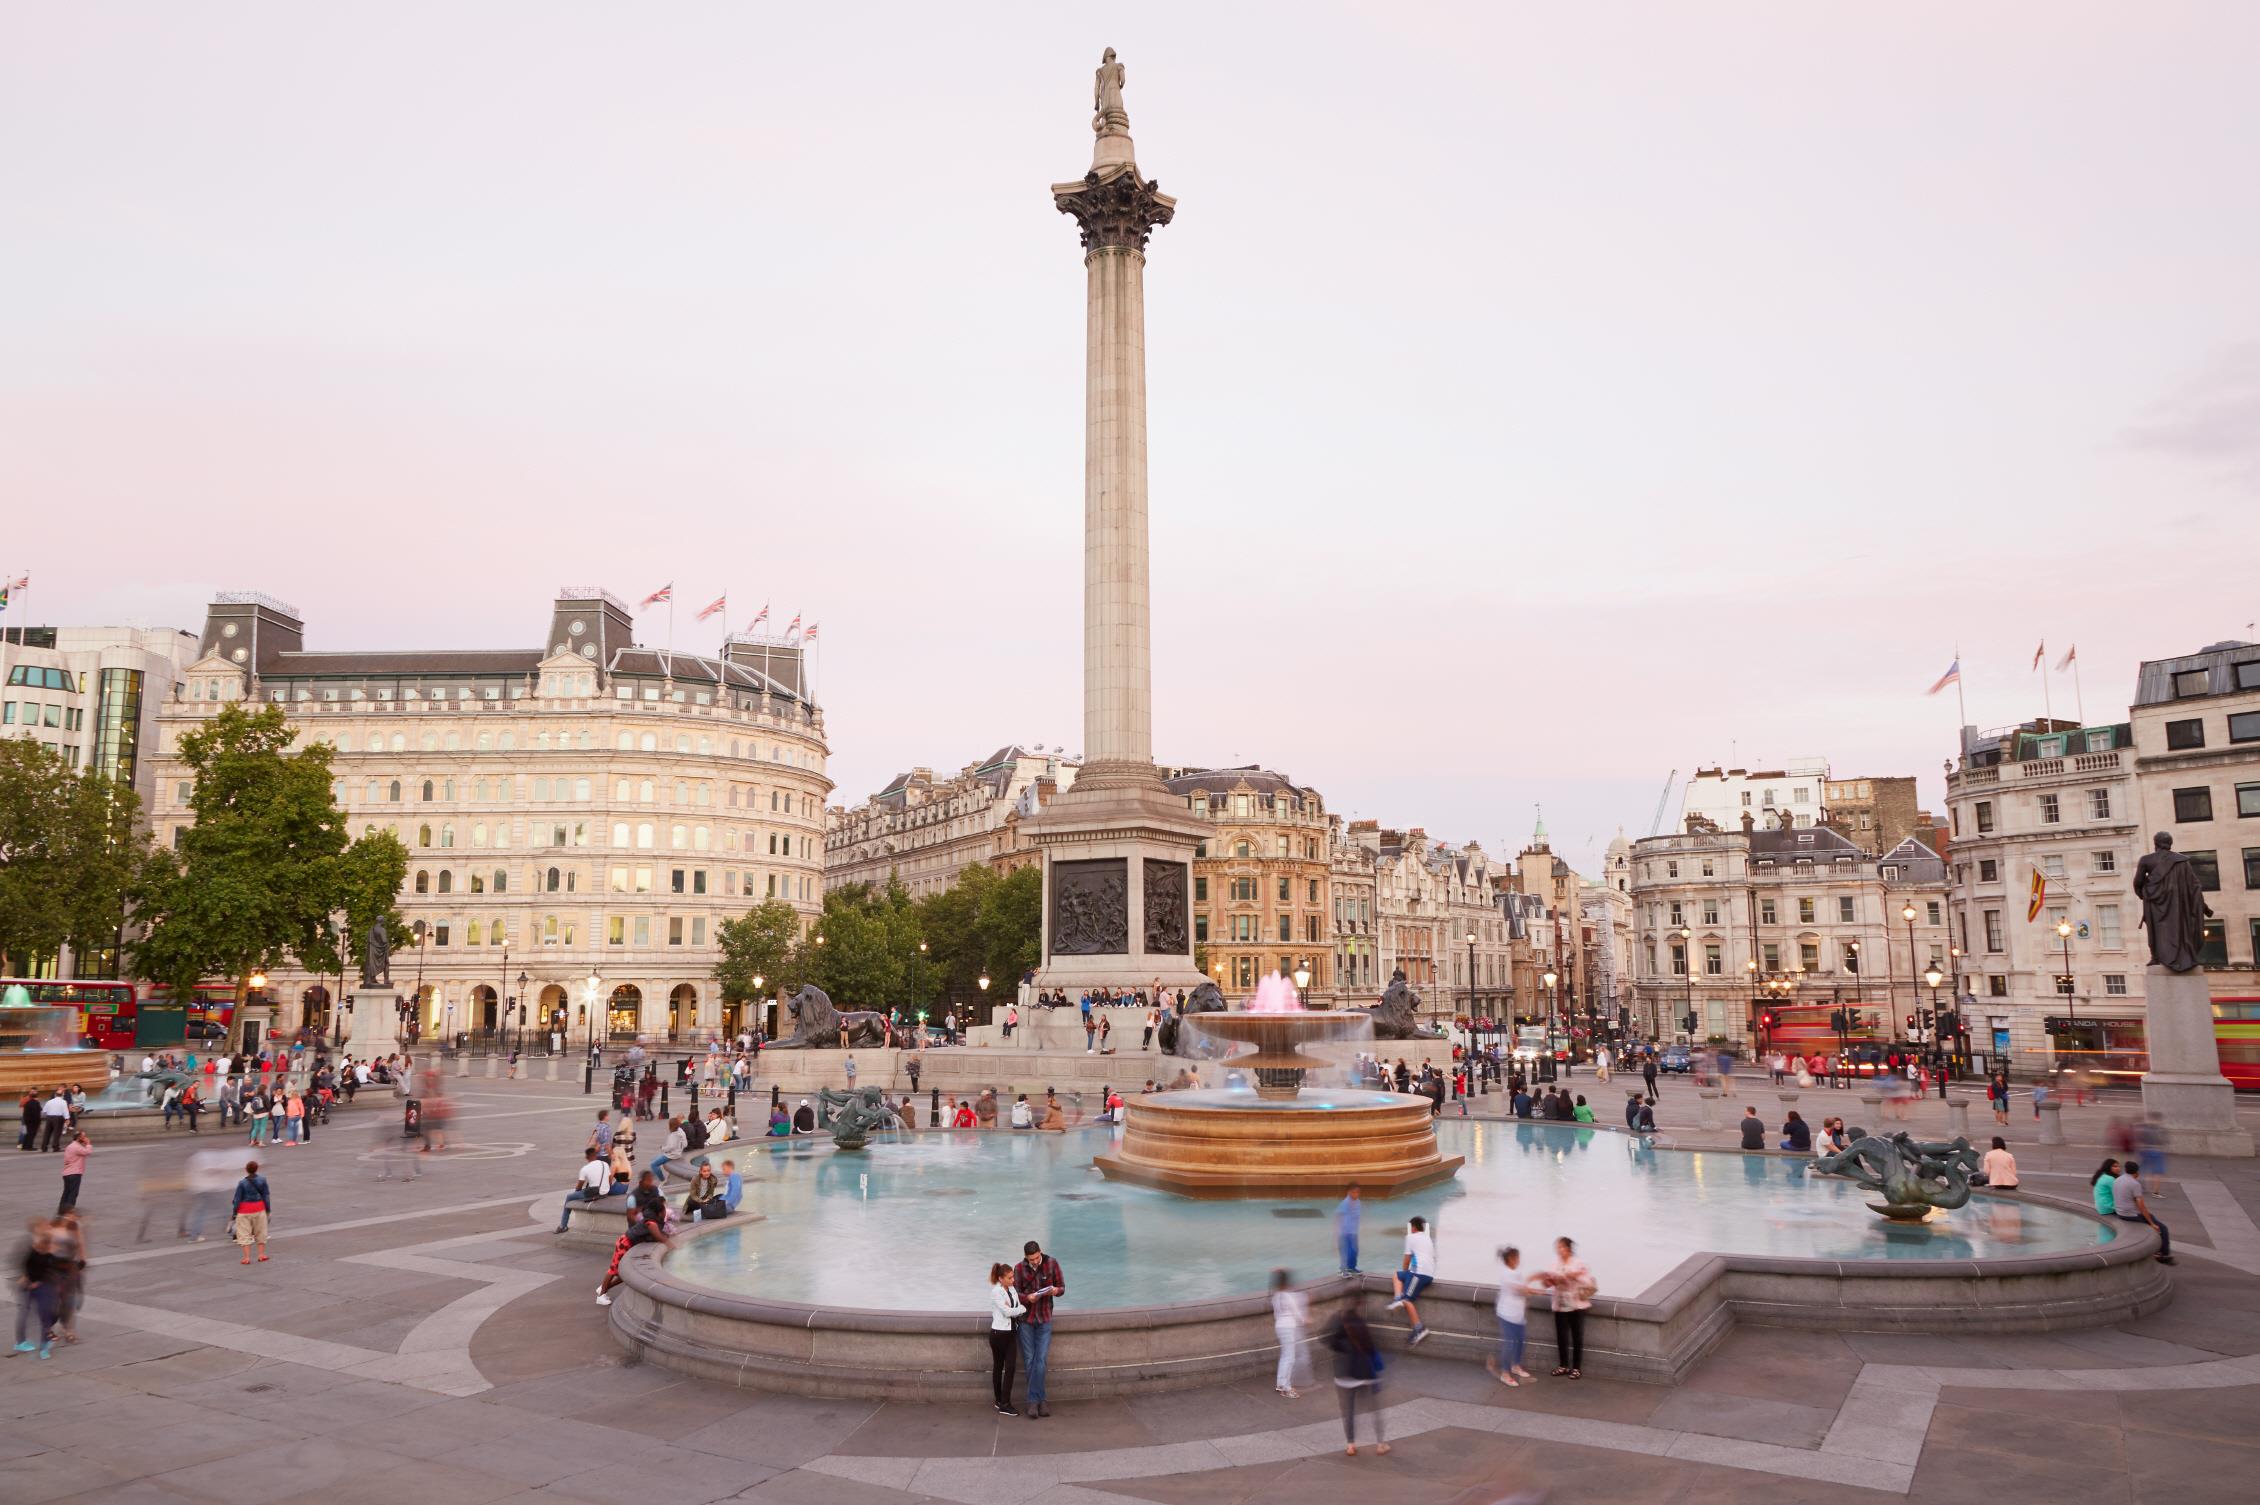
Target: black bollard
(776, 1096)
(663, 1102)
(934, 1109)
(733, 1100)
(694, 1097)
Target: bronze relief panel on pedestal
(1091, 907)
(1165, 908)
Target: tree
(67, 854)
(982, 925)
(758, 943)
(257, 878)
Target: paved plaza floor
(426, 1342)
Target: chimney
(1749, 823)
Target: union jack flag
(664, 593)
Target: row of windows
(1808, 958)
(1248, 927)
(507, 741)
(555, 930)
(2242, 676)
(1244, 890)
(2051, 810)
(2244, 726)
(624, 791)
(1281, 847)
(39, 677)
(2197, 804)
(31, 713)
(2052, 865)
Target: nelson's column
(1117, 847)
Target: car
(204, 1029)
(1676, 1058)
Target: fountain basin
(1236, 1144)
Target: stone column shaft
(1117, 629)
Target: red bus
(106, 1012)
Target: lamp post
(502, 1002)
(758, 1005)
(1914, 968)
(1549, 979)
(423, 935)
(1687, 969)
(1937, 1041)
(522, 981)
(1471, 988)
(588, 1024)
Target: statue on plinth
(376, 956)
(1108, 117)
(2173, 905)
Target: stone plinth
(2184, 1086)
(376, 1028)
(1118, 866)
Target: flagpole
(2079, 701)
(2047, 705)
(1961, 704)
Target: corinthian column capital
(1115, 209)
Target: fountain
(39, 1047)
(1284, 1138)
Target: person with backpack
(249, 1211)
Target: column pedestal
(1118, 886)
(376, 1028)
(2184, 1087)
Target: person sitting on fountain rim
(1415, 1275)
(2129, 1205)
(1797, 1135)
(1753, 1130)
(2000, 1167)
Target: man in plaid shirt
(1038, 1279)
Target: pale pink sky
(1543, 396)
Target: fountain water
(1284, 1138)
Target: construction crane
(1656, 826)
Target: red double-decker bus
(106, 1013)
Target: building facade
(1876, 814)
(580, 817)
(1262, 878)
(1793, 795)
(925, 831)
(1358, 978)
(1720, 914)
(2196, 725)
(91, 696)
(2055, 800)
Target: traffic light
(1687, 1022)
(1910, 1024)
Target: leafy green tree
(1011, 926)
(758, 943)
(984, 924)
(67, 854)
(257, 878)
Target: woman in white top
(1004, 1347)
(1571, 1285)
(1290, 1313)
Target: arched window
(423, 836)
(428, 742)
(393, 794)
(553, 876)
(679, 837)
(502, 880)
(549, 930)
(627, 741)
(645, 791)
(479, 833)
(733, 747)
(644, 836)
(478, 884)
(542, 742)
(373, 792)
(620, 789)
(700, 837)
(509, 741)
(572, 882)
(454, 742)
(733, 796)
(474, 934)
(446, 881)
(1240, 849)
(650, 743)
(570, 930)
(447, 835)
(399, 742)
(580, 789)
(428, 791)
(447, 790)
(620, 833)
(486, 741)
(423, 880)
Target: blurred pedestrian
(249, 1211)
(1357, 1372)
(75, 1155)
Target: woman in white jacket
(1005, 1307)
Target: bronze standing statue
(376, 957)
(2173, 905)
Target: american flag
(720, 602)
(664, 593)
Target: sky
(1542, 397)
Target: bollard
(494, 1066)
(1958, 1116)
(549, 1068)
(663, 1111)
(462, 1064)
(2051, 1122)
(1710, 1101)
(776, 1096)
(934, 1109)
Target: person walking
(2130, 1205)
(1348, 1213)
(39, 1278)
(848, 1065)
(1648, 1071)
(1039, 1281)
(1414, 1275)
(74, 1169)
(1512, 1308)
(1005, 1309)
(1357, 1372)
(249, 1211)
(1290, 1313)
(1571, 1287)
(70, 1264)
